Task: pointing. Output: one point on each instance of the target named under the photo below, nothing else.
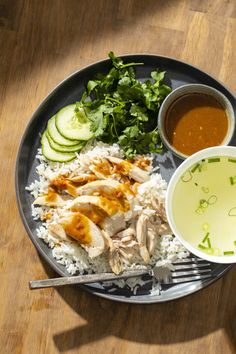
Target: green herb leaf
(91, 85)
(123, 109)
(139, 112)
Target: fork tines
(190, 260)
(189, 269)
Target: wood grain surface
(41, 42)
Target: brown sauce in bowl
(194, 122)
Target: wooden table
(41, 43)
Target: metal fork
(184, 270)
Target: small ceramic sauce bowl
(186, 94)
(201, 204)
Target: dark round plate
(69, 91)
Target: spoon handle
(84, 279)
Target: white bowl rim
(205, 153)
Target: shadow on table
(81, 24)
(177, 321)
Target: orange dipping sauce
(194, 122)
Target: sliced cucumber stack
(56, 136)
(67, 133)
(52, 154)
(73, 125)
(63, 148)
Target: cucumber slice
(61, 148)
(56, 136)
(73, 125)
(54, 155)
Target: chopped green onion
(205, 189)
(203, 166)
(214, 159)
(202, 247)
(199, 210)
(212, 199)
(187, 177)
(232, 212)
(210, 251)
(226, 253)
(217, 252)
(203, 203)
(197, 166)
(235, 243)
(208, 242)
(232, 160)
(232, 180)
(205, 226)
(206, 237)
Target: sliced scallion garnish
(187, 177)
(214, 159)
(197, 166)
(235, 243)
(232, 160)
(203, 203)
(232, 212)
(232, 180)
(210, 250)
(228, 253)
(208, 242)
(202, 247)
(206, 237)
(205, 226)
(200, 210)
(205, 189)
(212, 199)
(217, 252)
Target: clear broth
(204, 205)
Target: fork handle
(84, 279)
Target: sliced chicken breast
(151, 241)
(106, 186)
(113, 224)
(102, 169)
(139, 175)
(115, 261)
(114, 257)
(141, 231)
(108, 206)
(130, 231)
(57, 231)
(83, 230)
(52, 199)
(113, 220)
(126, 168)
(82, 178)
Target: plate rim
(45, 256)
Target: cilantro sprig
(123, 109)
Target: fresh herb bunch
(124, 110)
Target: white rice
(70, 254)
